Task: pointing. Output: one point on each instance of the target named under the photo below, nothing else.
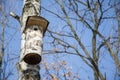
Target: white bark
(31, 8)
(28, 72)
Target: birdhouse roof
(37, 20)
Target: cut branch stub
(32, 44)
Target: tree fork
(33, 29)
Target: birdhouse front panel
(32, 42)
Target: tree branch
(15, 16)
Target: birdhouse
(32, 44)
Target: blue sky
(13, 37)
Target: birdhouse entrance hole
(35, 29)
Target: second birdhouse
(33, 33)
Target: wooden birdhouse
(32, 39)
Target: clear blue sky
(13, 37)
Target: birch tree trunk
(28, 71)
(33, 28)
